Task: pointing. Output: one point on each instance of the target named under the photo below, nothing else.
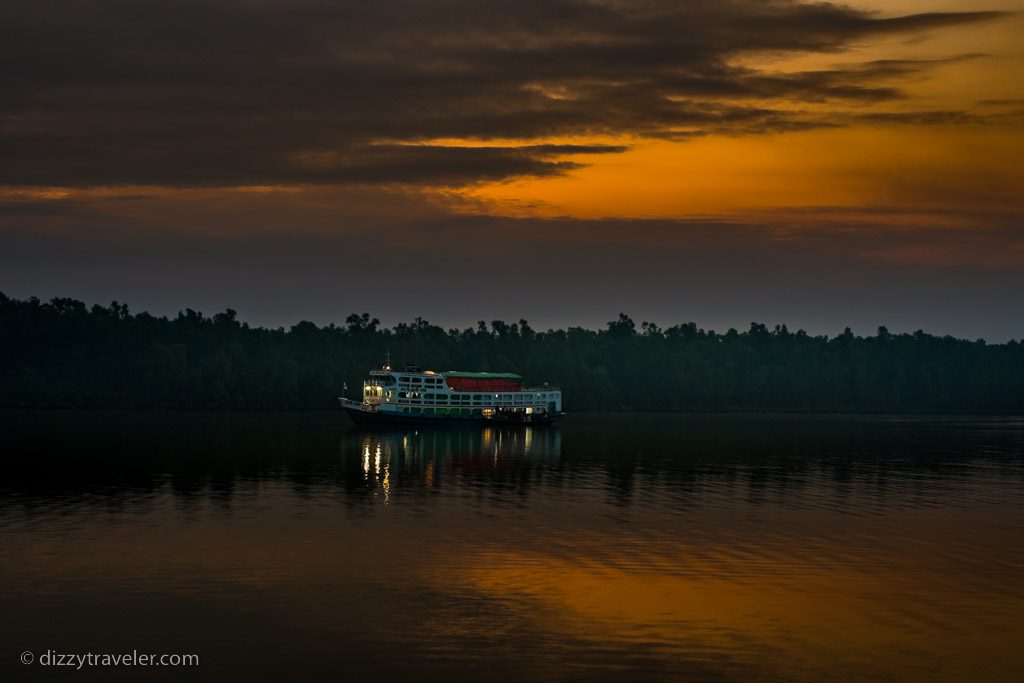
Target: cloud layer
(190, 93)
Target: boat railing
(349, 403)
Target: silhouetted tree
(64, 354)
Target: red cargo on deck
(477, 384)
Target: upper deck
(466, 390)
(450, 380)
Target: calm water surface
(285, 546)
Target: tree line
(63, 353)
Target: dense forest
(63, 353)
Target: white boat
(425, 396)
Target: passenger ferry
(425, 396)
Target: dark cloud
(921, 117)
(240, 92)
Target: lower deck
(370, 413)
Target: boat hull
(369, 418)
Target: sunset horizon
(818, 165)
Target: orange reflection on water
(764, 614)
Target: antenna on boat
(387, 360)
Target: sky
(821, 165)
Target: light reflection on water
(612, 548)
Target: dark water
(286, 547)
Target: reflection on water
(611, 548)
(417, 456)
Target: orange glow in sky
(923, 164)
